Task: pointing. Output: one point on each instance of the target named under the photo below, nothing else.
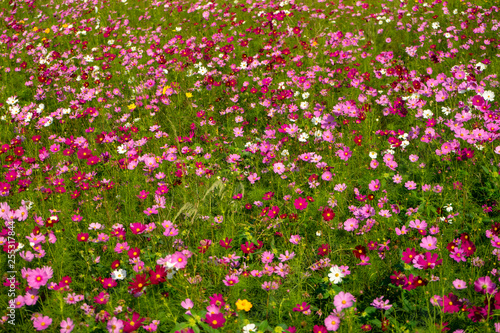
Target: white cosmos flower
(489, 95)
(428, 114)
(249, 328)
(335, 275)
(11, 100)
(202, 71)
(481, 66)
(303, 137)
(121, 149)
(119, 274)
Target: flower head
(243, 305)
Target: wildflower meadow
(249, 166)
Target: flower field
(249, 166)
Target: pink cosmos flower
(392, 165)
(381, 304)
(429, 243)
(385, 213)
(115, 325)
(295, 239)
(374, 185)
(351, 224)
(344, 154)
(170, 232)
(397, 178)
(343, 300)
(340, 187)
(188, 305)
(179, 260)
(31, 297)
(42, 323)
(441, 96)
(410, 185)
(332, 322)
(238, 131)
(37, 278)
(279, 168)
(233, 158)
(326, 176)
(402, 231)
(120, 247)
(364, 260)
(231, 280)
(436, 300)
(152, 327)
(19, 302)
(437, 189)
(458, 254)
(459, 284)
(267, 257)
(417, 224)
(287, 256)
(213, 309)
(485, 285)
(67, 326)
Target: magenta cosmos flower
(215, 320)
(484, 285)
(133, 323)
(301, 307)
(300, 203)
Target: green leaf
(370, 310)
(179, 326)
(263, 325)
(376, 322)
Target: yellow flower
(47, 30)
(189, 95)
(243, 305)
(165, 89)
(35, 29)
(132, 106)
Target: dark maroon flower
(324, 249)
